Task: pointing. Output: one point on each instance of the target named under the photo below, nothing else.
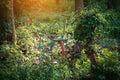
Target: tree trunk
(13, 24)
(57, 2)
(79, 4)
(90, 51)
(4, 21)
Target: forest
(59, 40)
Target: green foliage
(111, 31)
(114, 23)
(34, 64)
(108, 66)
(24, 61)
(88, 23)
(41, 66)
(27, 38)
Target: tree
(5, 26)
(79, 4)
(13, 23)
(90, 20)
(57, 2)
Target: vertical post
(13, 24)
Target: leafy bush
(37, 66)
(108, 66)
(87, 24)
(27, 38)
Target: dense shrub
(108, 66)
(88, 23)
